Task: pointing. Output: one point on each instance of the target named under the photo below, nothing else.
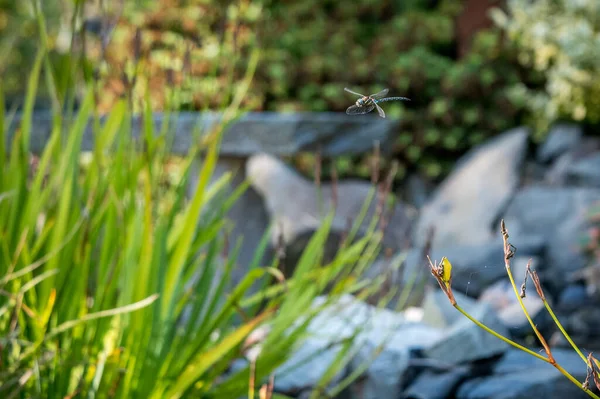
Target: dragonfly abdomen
(391, 99)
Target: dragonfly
(366, 104)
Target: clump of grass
(113, 285)
(98, 266)
(442, 272)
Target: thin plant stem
(251, 380)
(574, 381)
(512, 282)
(507, 255)
(562, 330)
(529, 351)
(499, 336)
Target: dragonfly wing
(356, 110)
(353, 92)
(380, 111)
(381, 94)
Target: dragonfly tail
(392, 99)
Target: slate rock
(383, 341)
(561, 138)
(589, 275)
(438, 312)
(466, 205)
(465, 342)
(575, 167)
(558, 215)
(414, 265)
(519, 375)
(307, 366)
(383, 377)
(386, 373)
(417, 190)
(583, 325)
(396, 279)
(572, 297)
(378, 325)
(283, 134)
(292, 203)
(556, 175)
(436, 385)
(585, 172)
(502, 298)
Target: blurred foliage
(408, 47)
(456, 103)
(561, 39)
(312, 49)
(19, 41)
(202, 48)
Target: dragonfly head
(361, 101)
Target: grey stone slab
(519, 375)
(559, 216)
(561, 138)
(275, 133)
(465, 206)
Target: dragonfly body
(365, 101)
(366, 104)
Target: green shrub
(411, 49)
(310, 51)
(18, 42)
(561, 39)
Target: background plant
(410, 47)
(537, 66)
(561, 39)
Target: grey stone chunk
(381, 346)
(432, 385)
(501, 296)
(276, 133)
(585, 172)
(296, 206)
(519, 375)
(305, 368)
(466, 205)
(464, 341)
(561, 138)
(573, 297)
(558, 215)
(438, 312)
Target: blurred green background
(472, 69)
